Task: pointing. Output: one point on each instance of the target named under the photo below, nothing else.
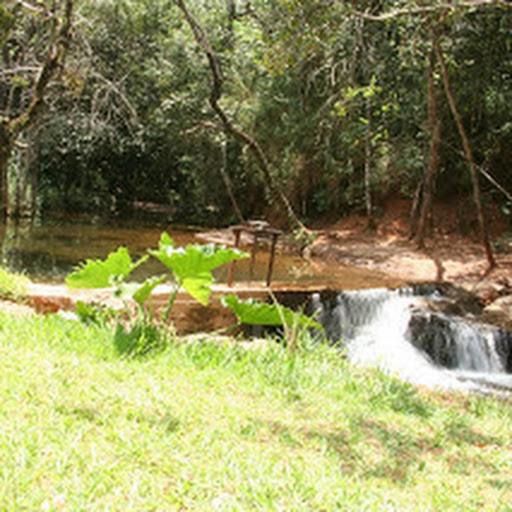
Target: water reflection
(47, 252)
(16, 235)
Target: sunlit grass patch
(13, 286)
(212, 426)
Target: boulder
(499, 312)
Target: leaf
(165, 247)
(199, 287)
(193, 265)
(142, 293)
(166, 240)
(102, 273)
(261, 313)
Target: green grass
(205, 426)
(13, 286)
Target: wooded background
(229, 109)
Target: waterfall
(396, 331)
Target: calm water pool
(47, 252)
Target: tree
(431, 169)
(36, 39)
(228, 126)
(484, 235)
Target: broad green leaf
(199, 287)
(142, 293)
(193, 265)
(165, 247)
(193, 260)
(260, 313)
(102, 273)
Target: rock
(448, 341)
(499, 312)
(431, 333)
(449, 299)
(489, 291)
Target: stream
(405, 332)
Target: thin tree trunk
(24, 177)
(415, 210)
(5, 154)
(227, 181)
(433, 164)
(368, 167)
(469, 156)
(229, 127)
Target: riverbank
(454, 259)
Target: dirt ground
(448, 256)
(14, 309)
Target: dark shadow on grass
(81, 413)
(167, 422)
(401, 397)
(399, 454)
(402, 451)
(502, 485)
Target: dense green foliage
(208, 425)
(323, 89)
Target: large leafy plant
(192, 266)
(191, 269)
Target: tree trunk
(5, 153)
(18, 178)
(469, 156)
(415, 209)
(368, 167)
(433, 164)
(15, 242)
(228, 126)
(227, 181)
(22, 182)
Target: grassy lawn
(206, 426)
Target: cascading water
(397, 332)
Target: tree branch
(467, 4)
(229, 127)
(54, 60)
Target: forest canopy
(324, 107)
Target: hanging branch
(228, 126)
(468, 154)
